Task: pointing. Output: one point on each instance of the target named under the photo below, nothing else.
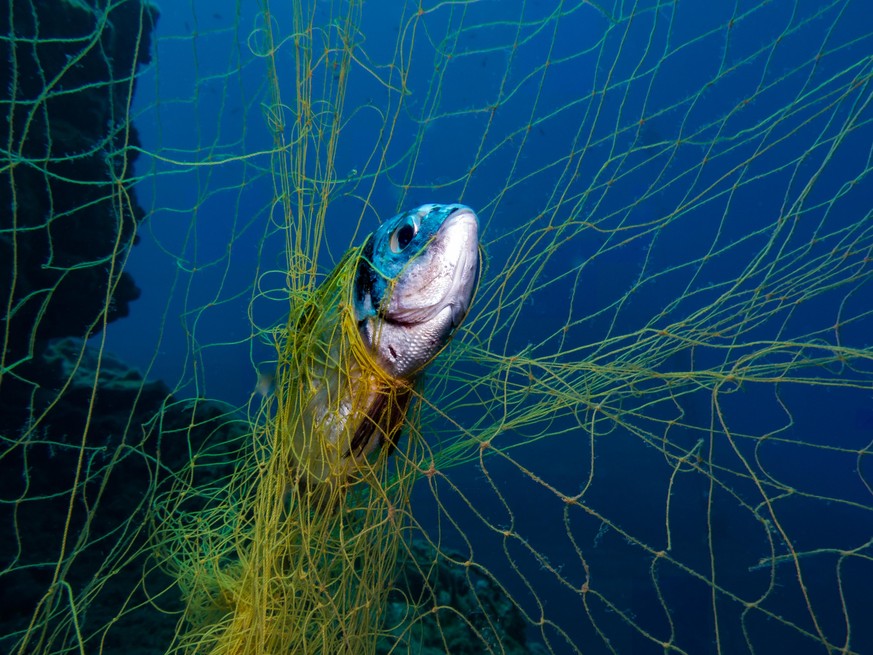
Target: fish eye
(403, 235)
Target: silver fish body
(372, 327)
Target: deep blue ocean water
(195, 107)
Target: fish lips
(438, 284)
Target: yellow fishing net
(652, 433)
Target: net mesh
(651, 434)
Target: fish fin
(385, 418)
(367, 426)
(396, 417)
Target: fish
(358, 348)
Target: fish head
(414, 283)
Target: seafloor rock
(67, 209)
(480, 617)
(74, 455)
(113, 441)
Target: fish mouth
(466, 272)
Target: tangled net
(652, 433)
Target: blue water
(220, 114)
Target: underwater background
(652, 434)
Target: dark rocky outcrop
(476, 615)
(67, 208)
(68, 218)
(118, 439)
